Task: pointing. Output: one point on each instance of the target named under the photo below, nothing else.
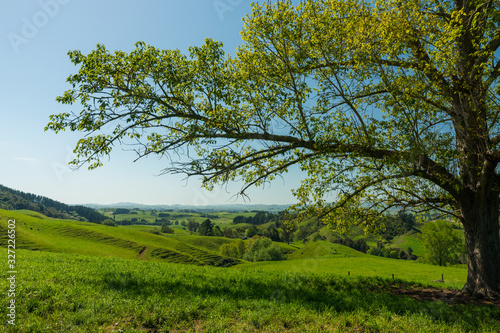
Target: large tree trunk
(481, 225)
(479, 198)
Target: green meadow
(82, 277)
(221, 219)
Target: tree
(206, 228)
(239, 219)
(385, 104)
(252, 231)
(407, 220)
(273, 234)
(217, 232)
(229, 250)
(109, 222)
(235, 249)
(263, 249)
(303, 232)
(441, 242)
(121, 211)
(287, 230)
(166, 229)
(191, 225)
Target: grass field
(406, 241)
(223, 219)
(83, 277)
(41, 233)
(61, 292)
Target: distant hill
(207, 208)
(11, 199)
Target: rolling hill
(87, 277)
(38, 232)
(11, 199)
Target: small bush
(226, 262)
(263, 249)
(375, 251)
(234, 250)
(109, 222)
(166, 229)
(156, 231)
(358, 245)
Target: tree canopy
(381, 103)
(442, 243)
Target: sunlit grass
(322, 286)
(406, 241)
(369, 266)
(75, 293)
(34, 233)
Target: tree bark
(481, 226)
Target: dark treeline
(11, 199)
(119, 211)
(258, 219)
(398, 224)
(358, 245)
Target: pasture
(83, 277)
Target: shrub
(252, 231)
(166, 229)
(317, 237)
(234, 250)
(109, 222)
(358, 245)
(375, 251)
(226, 262)
(394, 254)
(263, 249)
(156, 231)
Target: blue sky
(35, 39)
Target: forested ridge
(11, 199)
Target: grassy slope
(75, 293)
(328, 258)
(405, 241)
(41, 233)
(308, 292)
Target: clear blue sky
(35, 39)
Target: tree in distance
(381, 104)
(441, 242)
(192, 225)
(166, 229)
(206, 228)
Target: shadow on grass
(318, 293)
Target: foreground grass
(75, 293)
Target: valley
(84, 277)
